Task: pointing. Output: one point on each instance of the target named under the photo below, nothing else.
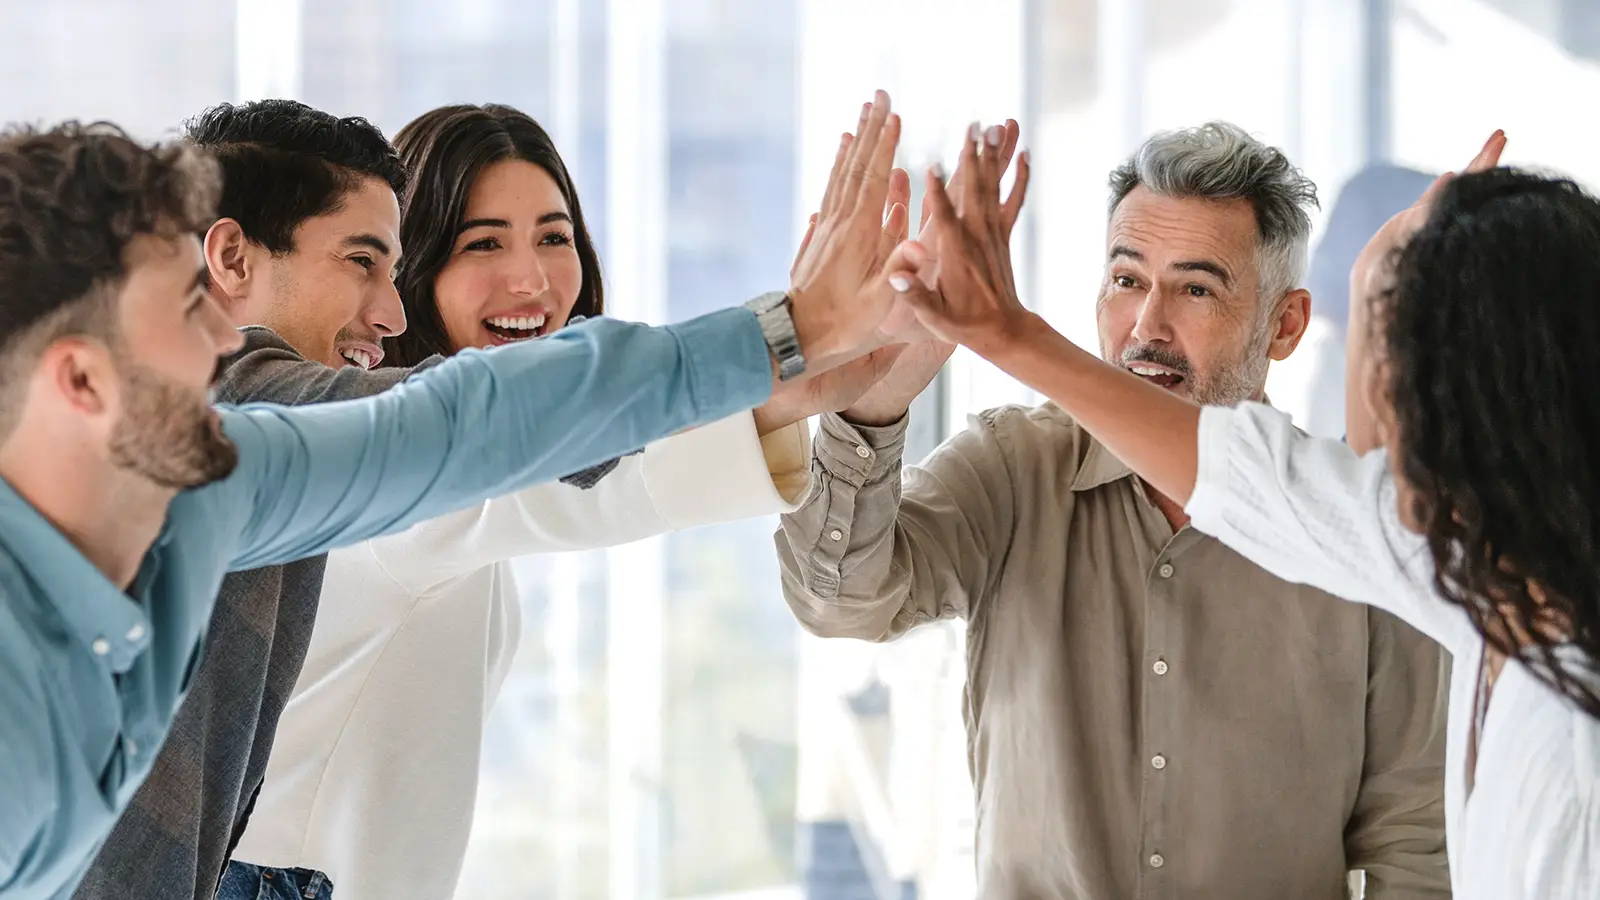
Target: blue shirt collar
(106, 621)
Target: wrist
(1008, 333)
(817, 335)
(868, 417)
(773, 416)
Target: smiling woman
(496, 247)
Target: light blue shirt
(90, 675)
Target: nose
(528, 278)
(1152, 323)
(387, 314)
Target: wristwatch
(777, 326)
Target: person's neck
(111, 515)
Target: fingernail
(973, 131)
(866, 108)
(992, 136)
(937, 170)
(1027, 157)
(900, 283)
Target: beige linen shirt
(1148, 714)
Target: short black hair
(72, 198)
(446, 149)
(284, 162)
(1492, 328)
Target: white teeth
(360, 357)
(517, 323)
(1146, 370)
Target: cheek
(566, 280)
(461, 291)
(1114, 316)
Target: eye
(1198, 290)
(556, 239)
(1126, 282)
(365, 262)
(482, 244)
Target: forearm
(877, 549)
(1360, 428)
(1149, 429)
(486, 424)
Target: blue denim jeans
(244, 881)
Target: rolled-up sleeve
(874, 553)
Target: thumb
(911, 266)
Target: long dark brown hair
(445, 149)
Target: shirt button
(136, 633)
(1160, 668)
(1158, 761)
(836, 535)
(101, 646)
(863, 452)
(1157, 860)
(1165, 571)
(130, 746)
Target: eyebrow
(546, 219)
(1123, 251)
(1208, 267)
(370, 241)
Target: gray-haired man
(1129, 728)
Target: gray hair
(1221, 161)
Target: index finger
(1489, 156)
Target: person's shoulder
(1043, 435)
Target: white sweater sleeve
(1311, 511)
(715, 473)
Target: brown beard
(167, 435)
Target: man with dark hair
(125, 498)
(305, 245)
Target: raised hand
(1369, 272)
(926, 354)
(837, 388)
(837, 304)
(965, 253)
(1370, 277)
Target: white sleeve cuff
(1207, 506)
(715, 473)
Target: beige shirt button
(135, 633)
(863, 452)
(1157, 860)
(1160, 668)
(131, 747)
(836, 535)
(101, 646)
(1165, 571)
(1158, 762)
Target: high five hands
(957, 276)
(866, 335)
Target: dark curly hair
(445, 149)
(284, 162)
(1493, 327)
(72, 198)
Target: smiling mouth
(515, 328)
(1160, 377)
(360, 356)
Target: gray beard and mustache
(166, 435)
(1239, 380)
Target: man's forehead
(369, 211)
(1156, 226)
